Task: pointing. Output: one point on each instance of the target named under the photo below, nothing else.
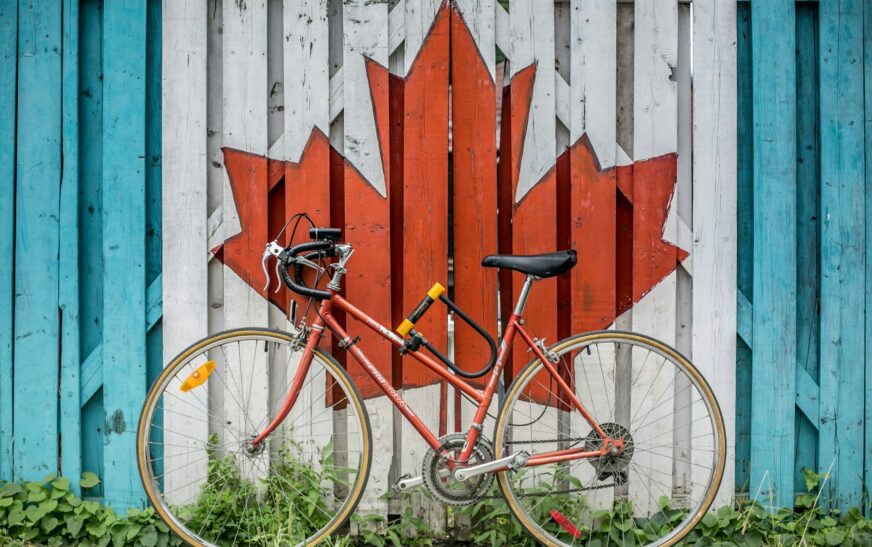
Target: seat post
(525, 292)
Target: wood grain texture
(124, 352)
(714, 211)
(474, 127)
(774, 293)
(533, 157)
(68, 289)
(843, 248)
(37, 192)
(8, 64)
(185, 208)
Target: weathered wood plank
(184, 226)
(807, 225)
(473, 118)
(592, 137)
(842, 248)
(8, 65)
(91, 228)
(714, 211)
(37, 192)
(867, 124)
(68, 293)
(774, 173)
(655, 117)
(533, 155)
(745, 238)
(124, 279)
(367, 216)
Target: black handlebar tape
(288, 254)
(409, 323)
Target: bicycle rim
(212, 485)
(636, 388)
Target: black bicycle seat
(543, 265)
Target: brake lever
(271, 249)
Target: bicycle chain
(568, 491)
(574, 440)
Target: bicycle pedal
(407, 482)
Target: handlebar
(289, 256)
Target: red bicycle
(260, 437)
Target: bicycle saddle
(544, 265)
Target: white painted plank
(593, 81)
(655, 132)
(307, 74)
(245, 124)
(365, 32)
(184, 229)
(714, 216)
(397, 26)
(365, 27)
(502, 34)
(532, 34)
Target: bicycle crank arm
(408, 483)
(513, 462)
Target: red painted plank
(367, 227)
(534, 226)
(593, 236)
(425, 188)
(475, 193)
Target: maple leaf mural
(415, 109)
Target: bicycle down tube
(482, 398)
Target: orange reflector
(198, 377)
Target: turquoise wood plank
(745, 235)
(807, 231)
(8, 58)
(744, 319)
(843, 247)
(124, 252)
(91, 226)
(808, 401)
(38, 174)
(68, 291)
(774, 295)
(867, 57)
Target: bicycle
(630, 466)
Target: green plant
(46, 512)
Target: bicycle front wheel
(636, 389)
(206, 478)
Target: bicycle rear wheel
(212, 485)
(638, 389)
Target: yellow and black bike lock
(409, 323)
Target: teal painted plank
(91, 375)
(38, 172)
(808, 400)
(867, 56)
(745, 241)
(68, 295)
(773, 399)
(843, 247)
(8, 57)
(744, 319)
(124, 240)
(807, 231)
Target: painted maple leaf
(266, 191)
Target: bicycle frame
(483, 398)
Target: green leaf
(36, 496)
(61, 483)
(16, 516)
(133, 531)
(49, 524)
(835, 537)
(74, 524)
(149, 536)
(89, 480)
(11, 489)
(33, 513)
(6, 502)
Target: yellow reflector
(198, 377)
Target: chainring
(439, 479)
(611, 466)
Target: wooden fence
(436, 132)
(80, 237)
(805, 228)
